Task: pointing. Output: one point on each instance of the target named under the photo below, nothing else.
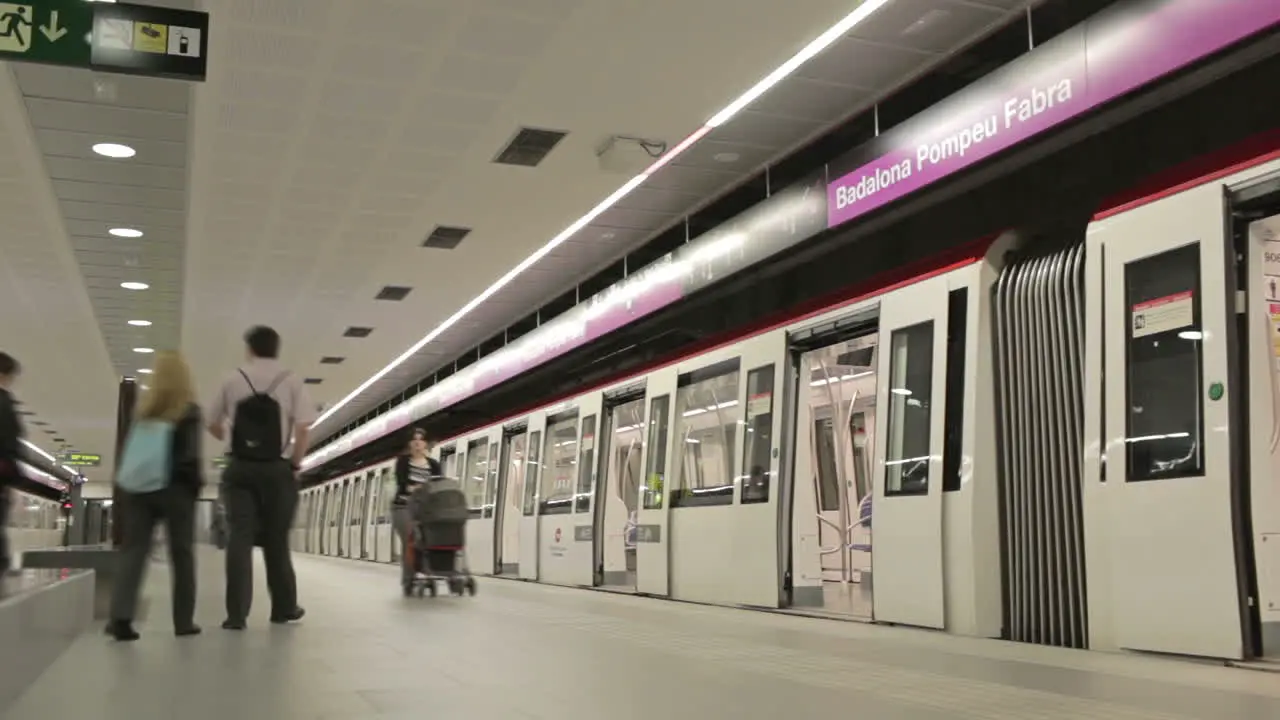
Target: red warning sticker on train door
(1163, 314)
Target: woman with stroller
(170, 400)
(412, 469)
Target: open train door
(1167, 299)
(906, 546)
(652, 533)
(528, 554)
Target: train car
(1068, 441)
(34, 522)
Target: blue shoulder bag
(147, 464)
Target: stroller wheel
(408, 589)
(471, 586)
(431, 588)
(455, 587)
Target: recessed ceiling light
(144, 371)
(144, 351)
(145, 387)
(114, 150)
(125, 232)
(140, 323)
(134, 286)
(726, 157)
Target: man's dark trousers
(262, 498)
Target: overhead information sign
(75, 459)
(107, 37)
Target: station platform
(520, 650)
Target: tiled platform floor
(529, 651)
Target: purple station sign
(1112, 54)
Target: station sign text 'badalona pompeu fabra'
(1123, 48)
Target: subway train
(1065, 438)
(34, 522)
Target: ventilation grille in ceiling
(357, 332)
(445, 237)
(529, 147)
(331, 360)
(313, 381)
(58, 439)
(394, 293)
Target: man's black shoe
(230, 624)
(293, 616)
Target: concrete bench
(41, 613)
(101, 559)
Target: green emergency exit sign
(52, 32)
(107, 37)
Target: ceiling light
(144, 350)
(37, 448)
(145, 387)
(134, 285)
(114, 150)
(726, 157)
(817, 45)
(125, 232)
(144, 371)
(140, 323)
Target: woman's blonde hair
(171, 392)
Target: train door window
(651, 495)
(757, 444)
(491, 480)
(707, 417)
(1163, 362)
(562, 460)
(531, 473)
(449, 461)
(476, 473)
(861, 465)
(388, 494)
(586, 464)
(828, 479)
(910, 410)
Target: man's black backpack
(256, 429)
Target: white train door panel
(567, 548)
(528, 522)
(480, 481)
(511, 479)
(1167, 426)
(756, 530)
(906, 554)
(387, 480)
(652, 533)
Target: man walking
(10, 451)
(269, 415)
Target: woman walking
(162, 485)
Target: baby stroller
(438, 514)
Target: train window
(474, 479)
(824, 439)
(1164, 366)
(657, 469)
(953, 414)
(586, 464)
(491, 483)
(558, 472)
(707, 416)
(757, 443)
(907, 457)
(531, 473)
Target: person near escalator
(413, 468)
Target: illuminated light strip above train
(793, 63)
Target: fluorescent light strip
(40, 450)
(817, 45)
